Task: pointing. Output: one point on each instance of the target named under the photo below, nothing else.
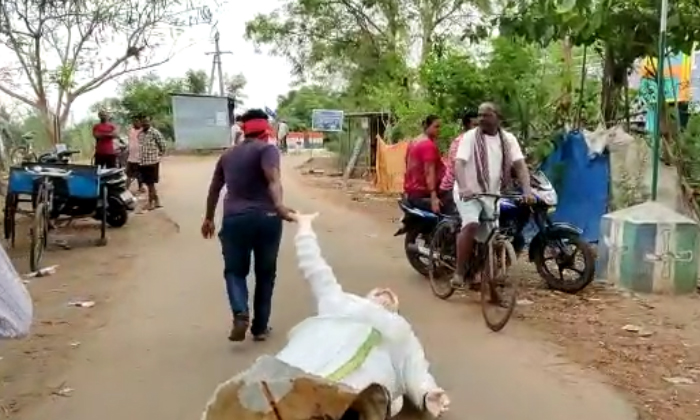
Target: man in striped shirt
(469, 121)
(151, 149)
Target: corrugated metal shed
(202, 122)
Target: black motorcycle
(557, 242)
(418, 226)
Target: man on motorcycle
(485, 157)
(424, 168)
(469, 121)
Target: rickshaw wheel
(39, 235)
(103, 218)
(9, 217)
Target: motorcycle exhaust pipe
(421, 250)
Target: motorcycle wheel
(418, 262)
(117, 214)
(442, 260)
(557, 282)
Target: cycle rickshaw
(51, 191)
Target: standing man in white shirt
(486, 157)
(282, 132)
(134, 157)
(236, 131)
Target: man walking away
(133, 159)
(282, 132)
(151, 149)
(252, 222)
(105, 132)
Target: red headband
(260, 127)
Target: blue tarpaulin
(582, 184)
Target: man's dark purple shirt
(241, 169)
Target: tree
(338, 36)
(150, 95)
(234, 86)
(620, 31)
(297, 106)
(196, 82)
(62, 48)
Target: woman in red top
(424, 168)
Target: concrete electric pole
(216, 66)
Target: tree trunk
(614, 80)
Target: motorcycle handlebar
(518, 198)
(514, 197)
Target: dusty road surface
(163, 349)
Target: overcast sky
(267, 76)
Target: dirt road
(163, 349)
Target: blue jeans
(259, 234)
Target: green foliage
(687, 152)
(620, 30)
(56, 51)
(150, 95)
(630, 27)
(525, 80)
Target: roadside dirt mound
(321, 165)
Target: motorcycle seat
(408, 208)
(107, 172)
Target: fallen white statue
(15, 302)
(355, 360)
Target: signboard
(677, 69)
(327, 120)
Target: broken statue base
(274, 390)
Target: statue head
(385, 298)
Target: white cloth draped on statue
(15, 302)
(352, 342)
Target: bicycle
(24, 152)
(492, 254)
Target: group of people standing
(482, 159)
(146, 147)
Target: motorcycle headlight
(548, 197)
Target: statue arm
(418, 381)
(317, 272)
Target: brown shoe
(239, 329)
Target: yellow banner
(390, 166)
